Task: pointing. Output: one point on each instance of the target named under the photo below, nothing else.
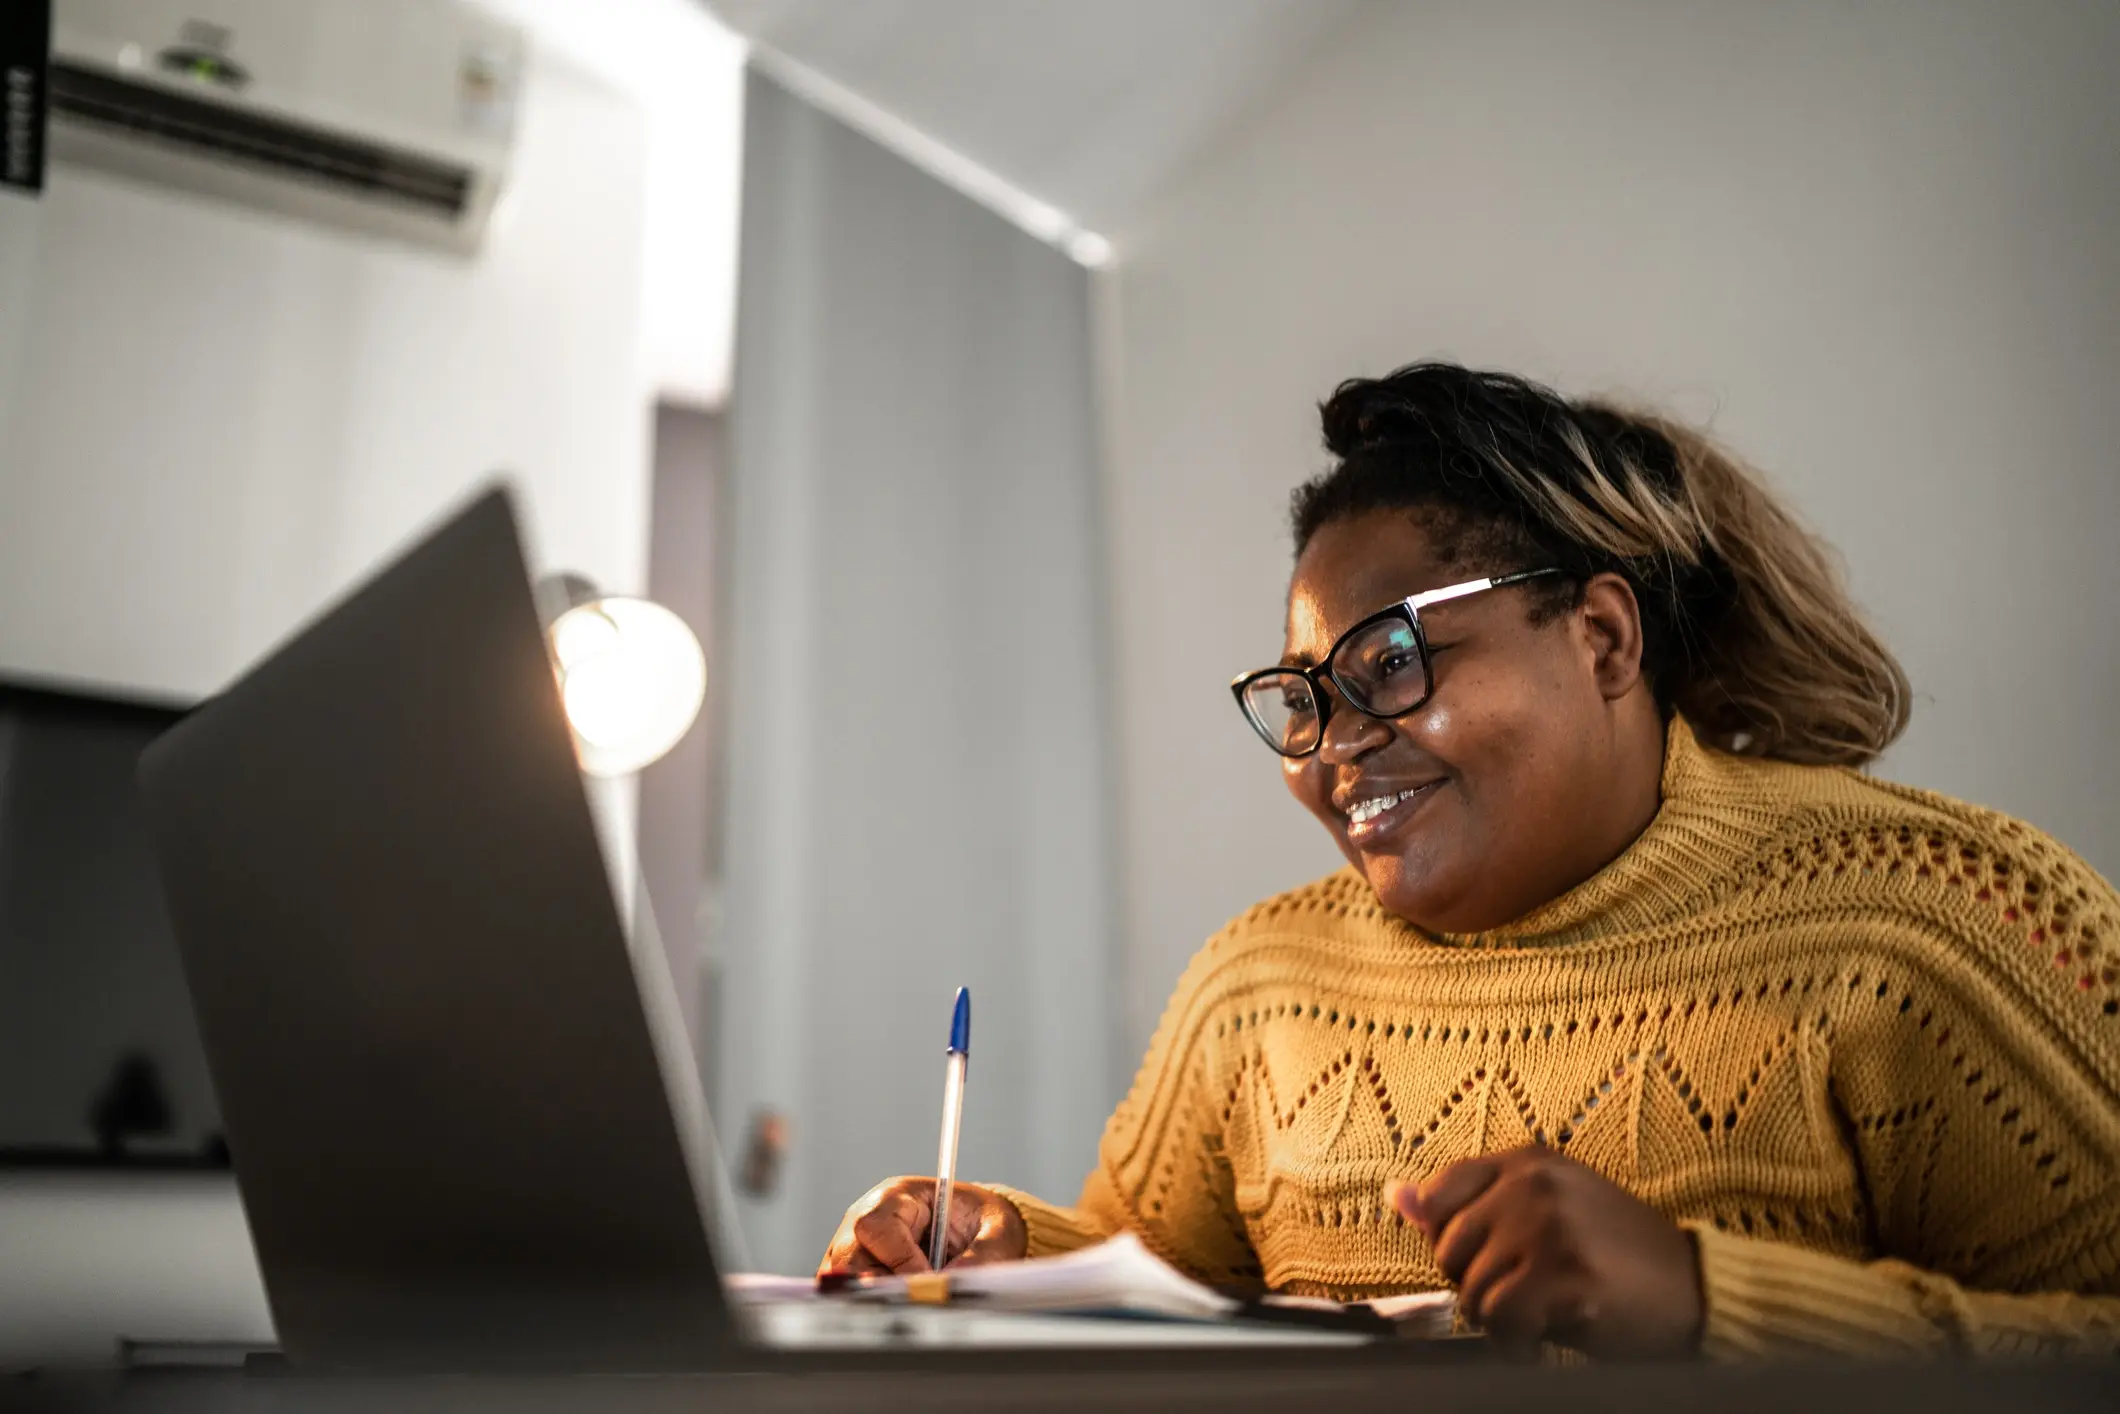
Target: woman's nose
(1350, 735)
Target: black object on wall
(25, 66)
(100, 1062)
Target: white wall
(212, 422)
(684, 70)
(1874, 242)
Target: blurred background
(946, 365)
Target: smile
(1376, 815)
(1363, 811)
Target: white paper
(1119, 1275)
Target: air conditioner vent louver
(152, 113)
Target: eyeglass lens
(1379, 668)
(1285, 710)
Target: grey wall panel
(912, 684)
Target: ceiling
(1089, 107)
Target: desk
(1295, 1382)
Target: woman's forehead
(1351, 569)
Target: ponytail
(1788, 669)
(1747, 627)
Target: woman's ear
(1611, 619)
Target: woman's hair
(1746, 626)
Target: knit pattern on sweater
(1864, 1040)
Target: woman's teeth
(1363, 811)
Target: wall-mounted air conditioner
(389, 116)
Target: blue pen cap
(961, 1023)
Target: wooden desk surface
(1315, 1383)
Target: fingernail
(1406, 1197)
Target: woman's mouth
(1374, 818)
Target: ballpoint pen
(960, 1055)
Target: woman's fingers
(855, 1263)
(1503, 1285)
(887, 1230)
(1543, 1248)
(967, 1210)
(997, 1237)
(1462, 1239)
(984, 1227)
(895, 1229)
(1514, 1306)
(1441, 1198)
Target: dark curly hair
(1746, 626)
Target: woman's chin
(1407, 891)
(1434, 895)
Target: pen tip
(961, 1021)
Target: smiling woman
(1641, 1016)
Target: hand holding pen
(891, 1228)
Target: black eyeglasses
(1381, 666)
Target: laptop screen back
(448, 1119)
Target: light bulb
(632, 678)
(582, 634)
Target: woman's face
(1535, 762)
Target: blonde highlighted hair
(1747, 625)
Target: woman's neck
(1641, 750)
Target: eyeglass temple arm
(1421, 601)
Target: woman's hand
(1543, 1248)
(887, 1229)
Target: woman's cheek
(1298, 775)
(1432, 728)
(1307, 782)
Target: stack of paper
(1119, 1277)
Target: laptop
(448, 1087)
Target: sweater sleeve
(1977, 1079)
(1770, 1299)
(1160, 1172)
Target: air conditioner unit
(395, 117)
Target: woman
(1639, 1015)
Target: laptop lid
(447, 1106)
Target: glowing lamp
(631, 674)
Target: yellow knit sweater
(1863, 1040)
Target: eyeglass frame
(1407, 611)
